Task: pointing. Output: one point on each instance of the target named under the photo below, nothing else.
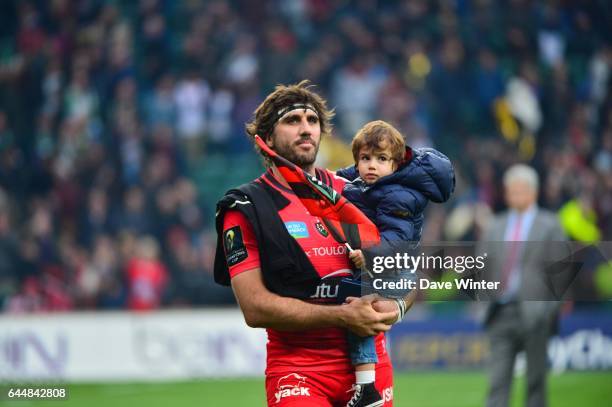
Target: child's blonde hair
(378, 135)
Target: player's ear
(269, 141)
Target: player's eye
(364, 157)
(313, 119)
(383, 158)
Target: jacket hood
(429, 172)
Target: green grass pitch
(454, 389)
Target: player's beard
(303, 159)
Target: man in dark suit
(522, 315)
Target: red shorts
(322, 389)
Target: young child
(391, 184)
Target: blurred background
(122, 124)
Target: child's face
(374, 164)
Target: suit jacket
(534, 295)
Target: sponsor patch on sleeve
(235, 250)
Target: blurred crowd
(117, 117)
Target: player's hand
(382, 304)
(386, 305)
(357, 258)
(362, 319)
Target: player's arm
(264, 309)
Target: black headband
(295, 106)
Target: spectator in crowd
(147, 277)
(9, 252)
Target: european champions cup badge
(229, 240)
(235, 250)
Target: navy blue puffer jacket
(396, 202)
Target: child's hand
(357, 258)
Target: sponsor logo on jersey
(330, 284)
(387, 394)
(235, 250)
(297, 230)
(291, 385)
(326, 291)
(329, 251)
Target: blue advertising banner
(584, 342)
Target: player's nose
(306, 125)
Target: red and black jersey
(321, 349)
